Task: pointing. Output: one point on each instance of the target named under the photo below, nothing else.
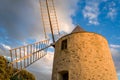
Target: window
(64, 44)
(63, 75)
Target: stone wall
(87, 57)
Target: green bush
(7, 71)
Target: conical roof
(78, 29)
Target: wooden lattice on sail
(49, 17)
(24, 56)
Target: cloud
(112, 10)
(112, 13)
(21, 20)
(91, 12)
(6, 46)
(41, 76)
(42, 69)
(64, 13)
(115, 50)
(4, 49)
(114, 46)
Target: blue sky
(20, 24)
(104, 18)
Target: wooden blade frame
(49, 17)
(24, 56)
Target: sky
(20, 24)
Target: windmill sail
(49, 17)
(24, 56)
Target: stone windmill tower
(83, 55)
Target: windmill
(24, 56)
(80, 51)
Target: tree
(7, 71)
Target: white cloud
(22, 19)
(112, 13)
(43, 67)
(115, 50)
(112, 10)
(65, 9)
(6, 46)
(114, 46)
(91, 12)
(118, 74)
(4, 49)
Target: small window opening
(64, 44)
(63, 75)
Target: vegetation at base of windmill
(6, 72)
(23, 75)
